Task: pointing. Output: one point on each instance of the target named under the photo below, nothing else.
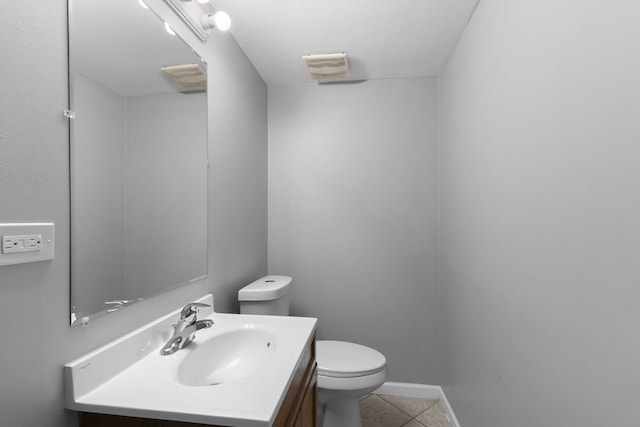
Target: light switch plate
(26, 242)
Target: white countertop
(141, 383)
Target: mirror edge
(201, 282)
(182, 13)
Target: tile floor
(381, 410)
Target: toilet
(346, 370)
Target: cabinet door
(307, 416)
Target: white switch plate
(26, 242)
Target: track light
(219, 20)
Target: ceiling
(383, 39)
(393, 39)
(122, 46)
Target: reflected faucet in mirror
(117, 304)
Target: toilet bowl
(346, 370)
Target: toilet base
(339, 398)
(340, 411)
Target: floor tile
(413, 423)
(409, 405)
(377, 412)
(436, 416)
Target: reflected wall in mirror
(138, 158)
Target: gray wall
(34, 186)
(98, 183)
(540, 205)
(238, 173)
(353, 214)
(166, 191)
(123, 150)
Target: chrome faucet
(185, 330)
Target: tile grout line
(435, 402)
(414, 418)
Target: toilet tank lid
(266, 288)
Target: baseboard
(419, 390)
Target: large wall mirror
(138, 158)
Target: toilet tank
(267, 295)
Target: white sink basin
(234, 373)
(225, 357)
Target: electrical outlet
(25, 242)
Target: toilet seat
(340, 359)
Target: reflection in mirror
(138, 158)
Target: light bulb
(222, 20)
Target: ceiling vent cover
(188, 76)
(327, 66)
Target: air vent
(188, 77)
(327, 66)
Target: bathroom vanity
(244, 371)
(298, 409)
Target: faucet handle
(191, 310)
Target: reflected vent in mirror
(188, 77)
(327, 66)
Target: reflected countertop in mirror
(138, 158)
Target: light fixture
(219, 20)
(169, 30)
(143, 4)
(199, 17)
(203, 1)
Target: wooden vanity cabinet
(299, 407)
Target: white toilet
(346, 371)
